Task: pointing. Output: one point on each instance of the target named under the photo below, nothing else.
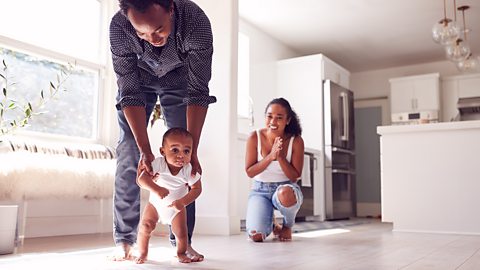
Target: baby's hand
(177, 204)
(162, 192)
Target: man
(161, 49)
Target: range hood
(469, 108)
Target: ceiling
(361, 35)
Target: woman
(274, 159)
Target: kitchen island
(430, 177)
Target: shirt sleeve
(158, 164)
(125, 65)
(199, 48)
(188, 175)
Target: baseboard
(217, 225)
(369, 210)
(66, 225)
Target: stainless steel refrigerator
(339, 147)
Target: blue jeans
(126, 199)
(263, 199)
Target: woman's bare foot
(121, 253)
(140, 259)
(194, 255)
(277, 229)
(256, 236)
(183, 258)
(285, 234)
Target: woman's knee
(286, 196)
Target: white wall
(216, 206)
(264, 52)
(374, 83)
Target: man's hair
(143, 5)
(176, 131)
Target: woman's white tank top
(273, 172)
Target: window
(243, 98)
(40, 41)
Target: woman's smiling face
(276, 118)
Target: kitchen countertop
(443, 126)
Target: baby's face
(177, 150)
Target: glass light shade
(471, 64)
(457, 51)
(446, 33)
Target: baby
(169, 192)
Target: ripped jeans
(263, 199)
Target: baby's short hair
(176, 131)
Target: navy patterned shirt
(187, 55)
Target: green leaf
(11, 106)
(28, 113)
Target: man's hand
(195, 165)
(145, 163)
(177, 204)
(162, 192)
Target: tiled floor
(363, 246)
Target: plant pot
(8, 228)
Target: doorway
(369, 114)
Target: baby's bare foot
(194, 255)
(183, 258)
(285, 234)
(121, 253)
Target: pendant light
(459, 50)
(470, 63)
(446, 31)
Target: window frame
(101, 68)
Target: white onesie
(177, 186)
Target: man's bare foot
(285, 234)
(140, 259)
(183, 258)
(194, 255)
(121, 253)
(256, 236)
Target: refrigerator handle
(345, 103)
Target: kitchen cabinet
(300, 81)
(415, 93)
(455, 87)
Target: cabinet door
(426, 94)
(401, 96)
(299, 80)
(333, 72)
(469, 87)
(449, 100)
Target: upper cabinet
(455, 87)
(300, 81)
(415, 93)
